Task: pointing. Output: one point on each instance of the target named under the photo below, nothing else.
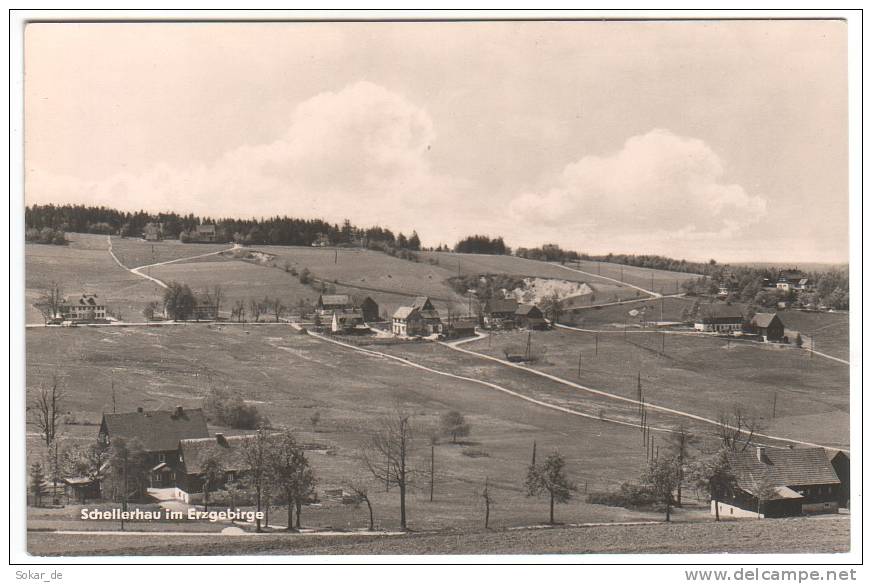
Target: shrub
(629, 496)
(231, 410)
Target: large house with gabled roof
(797, 481)
(228, 451)
(719, 317)
(159, 433)
(419, 319)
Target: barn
(768, 326)
(719, 318)
(529, 316)
(499, 313)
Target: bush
(231, 410)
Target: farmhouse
(86, 307)
(798, 481)
(420, 319)
(159, 432)
(193, 452)
(461, 327)
(529, 316)
(769, 326)
(718, 317)
(367, 306)
(327, 303)
(499, 313)
(348, 321)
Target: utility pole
(579, 364)
(527, 351)
(534, 454)
(596, 344)
(113, 396)
(124, 486)
(662, 343)
(622, 273)
(432, 469)
(774, 401)
(335, 256)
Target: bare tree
(213, 475)
(387, 455)
(679, 444)
(239, 311)
(360, 491)
(488, 500)
(276, 307)
(46, 410)
(255, 309)
(50, 302)
(737, 431)
(215, 296)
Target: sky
(693, 139)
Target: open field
(660, 281)
(801, 535)
(290, 376)
(617, 316)
(85, 265)
(702, 375)
(135, 252)
(829, 329)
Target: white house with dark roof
(84, 308)
(719, 317)
(420, 319)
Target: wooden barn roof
(764, 319)
(526, 309)
(718, 310)
(788, 467)
(501, 305)
(157, 430)
(334, 299)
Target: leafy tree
(127, 468)
(454, 424)
(763, 489)
(663, 475)
(716, 476)
(37, 483)
(679, 444)
(149, 311)
(291, 474)
(257, 452)
(550, 477)
(178, 301)
(213, 475)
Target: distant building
(159, 432)
(153, 231)
(499, 313)
(327, 303)
(802, 479)
(368, 307)
(719, 318)
(203, 234)
(790, 280)
(83, 309)
(769, 326)
(529, 316)
(348, 321)
(420, 319)
(321, 240)
(461, 327)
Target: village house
(800, 481)
(719, 318)
(499, 313)
(789, 280)
(192, 453)
(367, 306)
(152, 232)
(348, 322)
(327, 303)
(460, 327)
(85, 308)
(158, 432)
(420, 319)
(204, 234)
(529, 316)
(768, 326)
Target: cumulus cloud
(361, 153)
(658, 183)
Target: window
(161, 457)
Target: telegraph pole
(774, 401)
(579, 364)
(596, 344)
(432, 469)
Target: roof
(404, 312)
(501, 305)
(157, 430)
(787, 468)
(764, 319)
(790, 275)
(334, 299)
(464, 323)
(423, 303)
(227, 449)
(718, 310)
(526, 309)
(342, 315)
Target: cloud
(658, 184)
(360, 152)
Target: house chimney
(761, 453)
(139, 409)
(219, 438)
